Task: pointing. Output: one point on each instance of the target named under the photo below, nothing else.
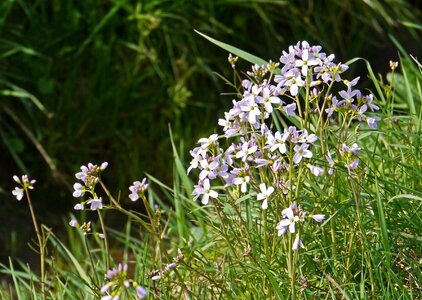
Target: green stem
(91, 260)
(100, 217)
(40, 242)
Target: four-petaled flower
(264, 194)
(96, 203)
(246, 151)
(301, 151)
(289, 221)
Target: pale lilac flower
(141, 292)
(198, 154)
(24, 181)
(318, 218)
(285, 186)
(297, 243)
(301, 151)
(264, 194)
(330, 162)
(96, 203)
(78, 206)
(372, 122)
(137, 189)
(118, 284)
(354, 164)
(369, 98)
(290, 109)
(208, 192)
(73, 223)
(79, 190)
(204, 188)
(317, 171)
(355, 149)
(307, 138)
(208, 169)
(349, 95)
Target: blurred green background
(102, 80)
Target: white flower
(242, 181)
(265, 193)
(73, 223)
(246, 151)
(18, 193)
(208, 192)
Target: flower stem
(100, 217)
(41, 242)
(91, 260)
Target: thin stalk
(91, 260)
(290, 267)
(40, 242)
(308, 83)
(100, 217)
(267, 254)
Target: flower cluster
(138, 189)
(306, 87)
(90, 176)
(118, 283)
(24, 183)
(235, 164)
(307, 66)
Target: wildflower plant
(291, 129)
(286, 204)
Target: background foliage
(102, 80)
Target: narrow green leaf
(236, 51)
(15, 280)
